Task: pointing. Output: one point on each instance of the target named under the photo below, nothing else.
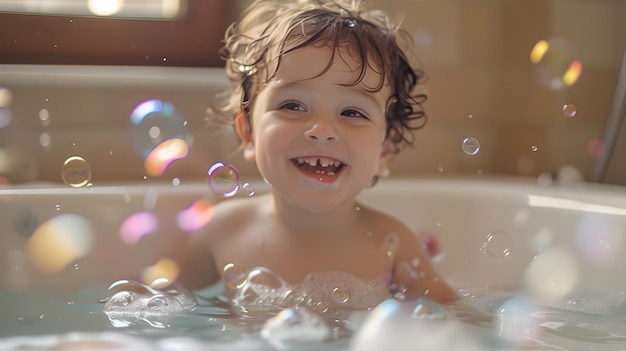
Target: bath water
(484, 319)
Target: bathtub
(557, 243)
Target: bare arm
(414, 271)
(195, 262)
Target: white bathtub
(461, 213)
(572, 234)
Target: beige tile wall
(476, 53)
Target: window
(133, 32)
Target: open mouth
(321, 168)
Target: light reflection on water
(63, 321)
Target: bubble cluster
(58, 242)
(223, 179)
(470, 146)
(555, 63)
(132, 302)
(498, 244)
(76, 172)
(158, 134)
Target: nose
(321, 133)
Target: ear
(389, 150)
(244, 131)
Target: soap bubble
(427, 309)
(248, 189)
(340, 295)
(394, 325)
(223, 179)
(298, 324)
(569, 110)
(234, 275)
(138, 225)
(76, 172)
(515, 322)
(498, 244)
(555, 63)
(153, 122)
(59, 241)
(164, 154)
(470, 146)
(195, 216)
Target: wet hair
(270, 29)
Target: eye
(294, 106)
(353, 114)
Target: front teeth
(324, 162)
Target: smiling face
(318, 139)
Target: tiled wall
(481, 84)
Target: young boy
(324, 99)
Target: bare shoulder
(195, 254)
(382, 222)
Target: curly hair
(270, 29)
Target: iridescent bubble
(223, 179)
(195, 216)
(138, 225)
(248, 189)
(340, 295)
(153, 122)
(470, 145)
(427, 309)
(234, 275)
(555, 63)
(164, 154)
(58, 242)
(498, 244)
(321, 307)
(569, 110)
(76, 171)
(515, 322)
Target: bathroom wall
(481, 84)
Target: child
(325, 98)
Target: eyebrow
(282, 85)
